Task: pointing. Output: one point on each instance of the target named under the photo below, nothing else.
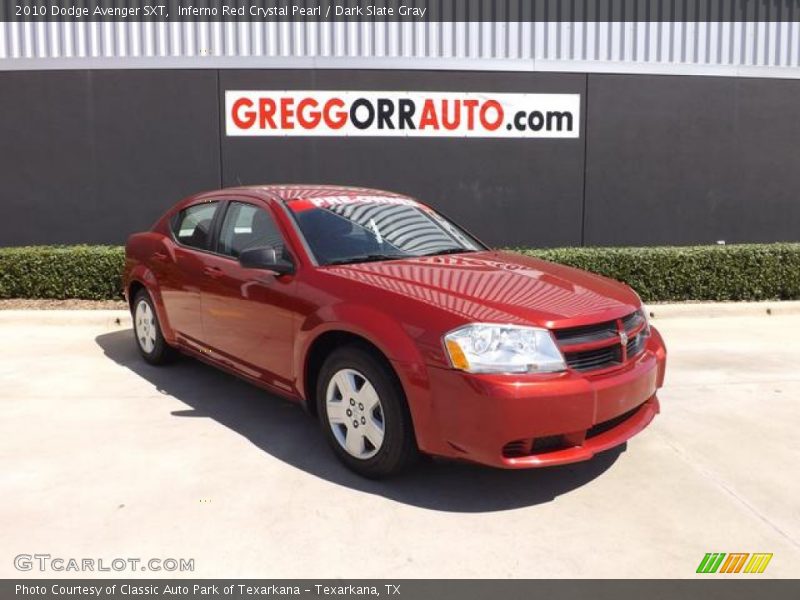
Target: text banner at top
(402, 10)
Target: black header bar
(401, 10)
(425, 589)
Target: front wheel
(147, 330)
(364, 414)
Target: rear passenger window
(247, 226)
(192, 227)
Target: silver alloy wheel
(355, 413)
(145, 324)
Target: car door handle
(213, 271)
(162, 256)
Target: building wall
(93, 155)
(683, 160)
(766, 48)
(688, 127)
(90, 156)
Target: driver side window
(246, 226)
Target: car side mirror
(266, 258)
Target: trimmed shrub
(59, 272)
(731, 272)
(659, 274)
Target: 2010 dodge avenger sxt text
(398, 329)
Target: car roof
(298, 191)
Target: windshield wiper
(449, 251)
(366, 258)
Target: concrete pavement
(104, 456)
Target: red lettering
(266, 110)
(470, 106)
(428, 118)
(311, 119)
(287, 112)
(334, 120)
(491, 125)
(245, 119)
(456, 120)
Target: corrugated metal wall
(767, 49)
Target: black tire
(156, 351)
(398, 449)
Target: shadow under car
(286, 432)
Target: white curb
(723, 309)
(111, 319)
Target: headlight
(488, 348)
(642, 308)
(646, 314)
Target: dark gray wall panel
(684, 160)
(91, 156)
(506, 191)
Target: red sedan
(397, 328)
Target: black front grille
(636, 344)
(517, 448)
(610, 424)
(530, 447)
(587, 333)
(549, 443)
(599, 358)
(605, 337)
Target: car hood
(500, 287)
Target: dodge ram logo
(623, 337)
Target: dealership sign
(401, 114)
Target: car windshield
(373, 228)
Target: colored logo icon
(736, 562)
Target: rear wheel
(364, 415)
(147, 331)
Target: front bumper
(544, 420)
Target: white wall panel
(767, 49)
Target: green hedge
(729, 272)
(89, 272)
(734, 272)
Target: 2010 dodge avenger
(399, 330)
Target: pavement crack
(719, 482)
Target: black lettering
(366, 123)
(536, 120)
(385, 112)
(406, 109)
(559, 117)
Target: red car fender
(656, 345)
(142, 274)
(383, 332)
